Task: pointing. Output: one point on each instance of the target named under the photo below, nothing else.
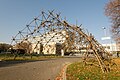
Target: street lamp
(106, 38)
(104, 29)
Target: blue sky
(15, 14)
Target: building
(50, 43)
(111, 47)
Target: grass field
(77, 71)
(9, 57)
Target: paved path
(38, 70)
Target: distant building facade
(50, 43)
(113, 47)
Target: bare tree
(112, 10)
(25, 46)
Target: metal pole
(105, 35)
(104, 29)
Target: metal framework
(74, 39)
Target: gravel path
(38, 70)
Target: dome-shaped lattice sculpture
(49, 34)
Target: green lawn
(77, 71)
(9, 57)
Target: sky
(16, 14)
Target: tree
(4, 47)
(112, 10)
(25, 46)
